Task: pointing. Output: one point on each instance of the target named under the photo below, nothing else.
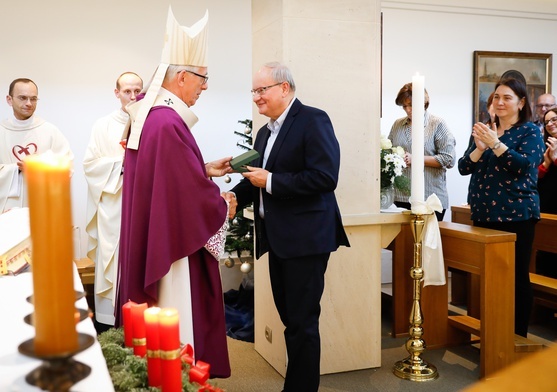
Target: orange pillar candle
(138, 329)
(171, 363)
(48, 185)
(153, 346)
(127, 323)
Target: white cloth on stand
(433, 262)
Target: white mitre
(182, 46)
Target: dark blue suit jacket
(301, 215)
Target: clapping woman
(546, 263)
(503, 163)
(547, 182)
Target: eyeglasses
(204, 77)
(544, 105)
(552, 120)
(261, 90)
(25, 98)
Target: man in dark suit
(297, 219)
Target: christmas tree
(239, 304)
(240, 236)
(246, 135)
(240, 232)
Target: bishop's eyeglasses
(204, 77)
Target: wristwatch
(496, 145)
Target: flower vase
(387, 197)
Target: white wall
(75, 50)
(438, 38)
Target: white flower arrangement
(392, 165)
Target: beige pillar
(333, 48)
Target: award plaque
(239, 163)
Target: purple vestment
(170, 209)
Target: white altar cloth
(13, 331)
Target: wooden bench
(545, 293)
(489, 254)
(544, 239)
(86, 270)
(545, 290)
(461, 214)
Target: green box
(239, 163)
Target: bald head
(128, 86)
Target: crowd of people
(510, 158)
(155, 241)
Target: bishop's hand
(218, 168)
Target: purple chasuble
(170, 209)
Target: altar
(13, 331)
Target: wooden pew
(545, 290)
(489, 254)
(544, 239)
(461, 214)
(86, 269)
(465, 288)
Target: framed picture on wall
(489, 66)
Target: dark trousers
(523, 298)
(297, 286)
(546, 264)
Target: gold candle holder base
(413, 367)
(58, 373)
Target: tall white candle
(418, 113)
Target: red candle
(153, 346)
(127, 322)
(138, 329)
(48, 184)
(171, 363)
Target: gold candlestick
(413, 367)
(59, 371)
